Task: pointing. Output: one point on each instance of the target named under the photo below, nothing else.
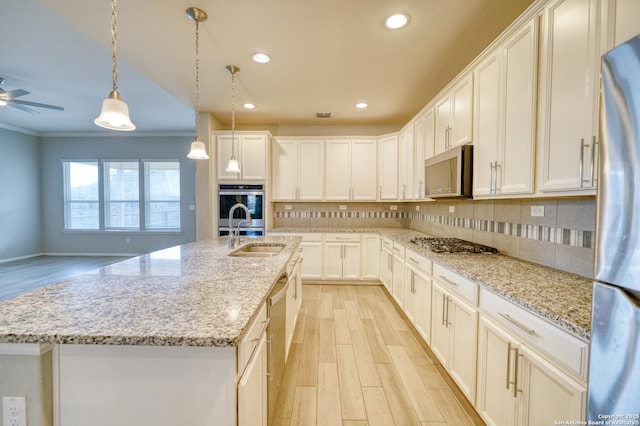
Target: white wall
(20, 204)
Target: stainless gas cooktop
(452, 245)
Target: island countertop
(189, 295)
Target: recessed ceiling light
(261, 58)
(362, 105)
(249, 106)
(396, 21)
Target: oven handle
(241, 193)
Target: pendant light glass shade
(115, 113)
(198, 150)
(233, 166)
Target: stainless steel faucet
(234, 236)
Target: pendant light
(115, 113)
(233, 166)
(198, 151)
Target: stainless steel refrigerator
(614, 370)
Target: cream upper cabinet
(250, 151)
(297, 167)
(424, 127)
(568, 96)
(351, 174)
(504, 124)
(405, 160)
(627, 21)
(388, 167)
(454, 112)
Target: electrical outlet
(452, 209)
(343, 207)
(417, 208)
(537, 211)
(393, 207)
(14, 411)
(288, 207)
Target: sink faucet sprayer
(233, 237)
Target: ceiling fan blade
(36, 104)
(16, 93)
(22, 108)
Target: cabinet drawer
(398, 250)
(538, 333)
(342, 238)
(457, 284)
(312, 236)
(252, 337)
(421, 263)
(387, 244)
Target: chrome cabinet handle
(448, 281)
(444, 300)
(581, 172)
(527, 330)
(270, 371)
(448, 301)
(508, 364)
(491, 177)
(515, 374)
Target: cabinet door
(312, 263)
(254, 157)
(333, 260)
(223, 144)
(464, 337)
(338, 170)
(461, 112)
(388, 168)
(420, 138)
(430, 136)
(548, 394)
(495, 400)
(284, 162)
(487, 123)
(363, 170)
(422, 316)
(627, 24)
(440, 336)
(252, 389)
(351, 261)
(516, 154)
(370, 252)
(310, 170)
(386, 274)
(405, 162)
(569, 79)
(443, 116)
(398, 280)
(409, 293)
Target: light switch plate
(288, 206)
(417, 208)
(452, 209)
(343, 207)
(393, 207)
(537, 211)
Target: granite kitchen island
(152, 340)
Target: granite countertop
(189, 295)
(562, 298)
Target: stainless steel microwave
(450, 174)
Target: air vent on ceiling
(323, 115)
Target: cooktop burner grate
(452, 245)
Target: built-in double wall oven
(252, 196)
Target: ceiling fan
(9, 98)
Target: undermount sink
(257, 250)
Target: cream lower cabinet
(252, 388)
(312, 255)
(516, 386)
(397, 271)
(386, 263)
(342, 256)
(370, 247)
(454, 330)
(417, 293)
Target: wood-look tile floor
(354, 360)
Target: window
(81, 195)
(127, 195)
(162, 194)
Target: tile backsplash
(561, 237)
